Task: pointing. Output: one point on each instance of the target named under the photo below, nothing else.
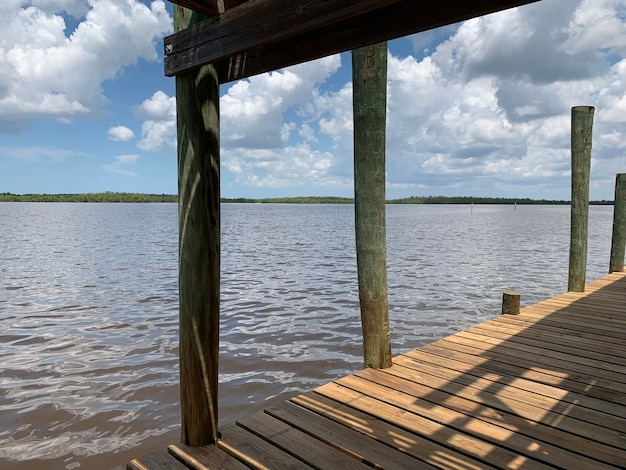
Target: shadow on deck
(543, 389)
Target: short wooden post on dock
(618, 242)
(510, 302)
(197, 116)
(369, 77)
(582, 126)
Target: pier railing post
(618, 241)
(369, 78)
(582, 126)
(197, 119)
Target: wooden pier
(540, 390)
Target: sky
(479, 108)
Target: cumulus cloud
(46, 70)
(487, 101)
(158, 132)
(120, 134)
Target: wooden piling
(197, 108)
(369, 77)
(618, 241)
(510, 302)
(582, 126)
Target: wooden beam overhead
(256, 24)
(209, 7)
(258, 36)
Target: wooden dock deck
(541, 390)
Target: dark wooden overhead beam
(389, 22)
(209, 7)
(256, 24)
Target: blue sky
(476, 108)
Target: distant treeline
(135, 197)
(88, 197)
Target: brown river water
(89, 305)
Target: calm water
(89, 299)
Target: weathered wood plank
(295, 442)
(608, 353)
(256, 452)
(556, 351)
(384, 407)
(156, 460)
(540, 442)
(530, 371)
(581, 421)
(356, 445)
(259, 23)
(416, 359)
(399, 19)
(578, 372)
(411, 443)
(549, 328)
(208, 457)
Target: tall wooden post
(618, 242)
(369, 77)
(582, 126)
(197, 119)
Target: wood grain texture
(369, 102)
(352, 27)
(198, 131)
(532, 391)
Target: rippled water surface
(89, 305)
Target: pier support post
(618, 241)
(582, 126)
(510, 302)
(369, 78)
(197, 119)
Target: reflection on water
(89, 299)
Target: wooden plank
(411, 443)
(415, 359)
(607, 352)
(356, 445)
(259, 23)
(208, 457)
(156, 460)
(539, 441)
(577, 372)
(525, 404)
(384, 407)
(297, 443)
(399, 19)
(531, 372)
(537, 315)
(556, 351)
(504, 418)
(557, 329)
(255, 452)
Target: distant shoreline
(172, 198)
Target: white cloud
(120, 134)
(489, 104)
(46, 70)
(120, 163)
(158, 132)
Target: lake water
(89, 305)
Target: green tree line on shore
(137, 197)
